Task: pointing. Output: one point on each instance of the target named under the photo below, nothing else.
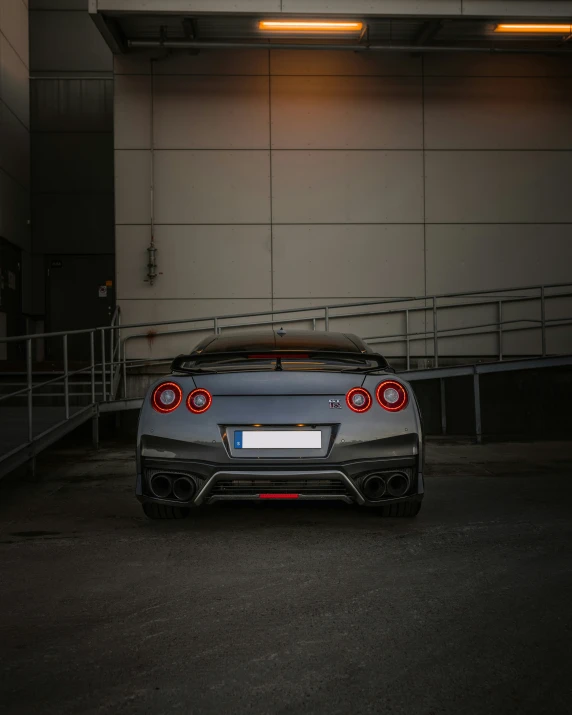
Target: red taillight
(166, 397)
(278, 496)
(391, 395)
(358, 399)
(199, 401)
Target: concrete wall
(289, 179)
(15, 134)
(72, 135)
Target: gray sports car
(280, 415)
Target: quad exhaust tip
(376, 486)
(164, 485)
(160, 486)
(398, 484)
(183, 488)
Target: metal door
(80, 294)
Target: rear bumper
(206, 493)
(214, 483)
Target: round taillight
(199, 400)
(391, 395)
(166, 397)
(358, 399)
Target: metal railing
(110, 362)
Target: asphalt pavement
(290, 608)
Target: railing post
(103, 366)
(443, 407)
(111, 361)
(92, 357)
(543, 320)
(435, 336)
(500, 330)
(113, 339)
(326, 318)
(29, 380)
(117, 349)
(215, 321)
(66, 378)
(313, 323)
(407, 346)
(95, 418)
(29, 386)
(477, 400)
(125, 369)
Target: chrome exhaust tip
(160, 486)
(184, 488)
(373, 487)
(398, 484)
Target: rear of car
(265, 416)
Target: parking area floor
(290, 608)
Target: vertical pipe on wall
(151, 250)
(270, 177)
(152, 155)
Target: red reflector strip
(278, 496)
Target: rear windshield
(297, 363)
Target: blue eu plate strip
(238, 439)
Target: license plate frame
(277, 440)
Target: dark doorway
(80, 293)
(11, 319)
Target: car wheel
(159, 511)
(407, 509)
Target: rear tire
(407, 510)
(160, 511)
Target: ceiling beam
(428, 31)
(111, 32)
(521, 9)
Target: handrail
(232, 316)
(420, 335)
(341, 315)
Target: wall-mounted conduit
(199, 45)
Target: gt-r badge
(335, 405)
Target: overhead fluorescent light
(310, 26)
(536, 29)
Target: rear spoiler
(278, 355)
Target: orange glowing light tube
(535, 29)
(310, 26)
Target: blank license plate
(287, 439)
